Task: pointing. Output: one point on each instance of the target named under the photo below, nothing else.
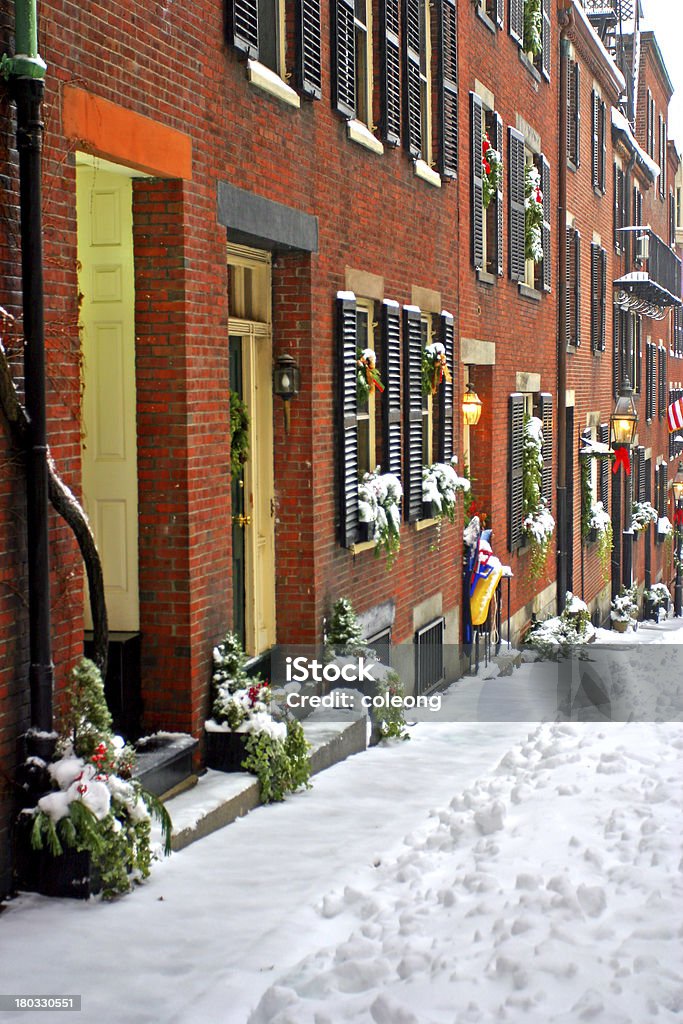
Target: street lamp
(622, 431)
(677, 487)
(471, 406)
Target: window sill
(529, 293)
(483, 16)
(598, 191)
(529, 65)
(363, 545)
(424, 171)
(425, 524)
(483, 277)
(263, 78)
(360, 133)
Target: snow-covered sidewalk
(480, 872)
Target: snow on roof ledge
(619, 79)
(621, 124)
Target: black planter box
(366, 532)
(69, 875)
(225, 751)
(164, 762)
(429, 510)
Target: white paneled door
(109, 446)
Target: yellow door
(251, 362)
(109, 445)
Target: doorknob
(242, 520)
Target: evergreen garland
(239, 434)
(533, 22)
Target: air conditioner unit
(642, 247)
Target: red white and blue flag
(675, 415)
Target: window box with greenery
(440, 487)
(379, 508)
(642, 514)
(624, 609)
(538, 524)
(533, 214)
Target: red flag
(622, 458)
(675, 415)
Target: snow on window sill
(424, 171)
(360, 133)
(263, 78)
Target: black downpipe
(28, 95)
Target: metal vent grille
(429, 668)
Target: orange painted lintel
(105, 129)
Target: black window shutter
(390, 75)
(500, 13)
(640, 453)
(515, 471)
(545, 40)
(603, 436)
(446, 401)
(602, 164)
(391, 399)
(595, 297)
(516, 192)
(412, 411)
(570, 328)
(651, 381)
(545, 227)
(243, 26)
(498, 143)
(476, 181)
(575, 88)
(517, 20)
(448, 88)
(344, 79)
(603, 298)
(616, 351)
(348, 425)
(618, 207)
(637, 325)
(595, 151)
(661, 409)
(412, 104)
(577, 286)
(663, 486)
(544, 411)
(309, 61)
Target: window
(530, 27)
(651, 380)
(257, 28)
(352, 83)
(627, 354)
(534, 273)
(428, 419)
(390, 72)
(604, 470)
(661, 486)
(448, 87)
(358, 448)
(493, 9)
(598, 297)
(650, 125)
(573, 112)
(522, 406)
(573, 303)
(486, 199)
(661, 396)
(678, 331)
(672, 220)
(417, 78)
(429, 663)
(599, 136)
(662, 157)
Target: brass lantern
(624, 420)
(471, 406)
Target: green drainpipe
(25, 73)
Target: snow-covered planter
(557, 636)
(656, 602)
(94, 806)
(624, 609)
(492, 171)
(600, 531)
(538, 524)
(368, 378)
(242, 734)
(642, 514)
(533, 214)
(379, 498)
(434, 368)
(440, 487)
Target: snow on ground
(481, 872)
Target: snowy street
(480, 872)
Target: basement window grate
(429, 668)
(380, 643)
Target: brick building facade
(225, 186)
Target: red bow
(622, 457)
(678, 516)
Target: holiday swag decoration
(533, 20)
(492, 170)
(538, 524)
(368, 375)
(434, 368)
(533, 214)
(379, 497)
